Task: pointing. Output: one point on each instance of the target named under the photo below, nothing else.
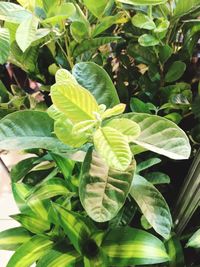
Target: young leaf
(125, 126)
(148, 40)
(113, 147)
(84, 126)
(13, 13)
(73, 225)
(64, 131)
(74, 101)
(28, 129)
(30, 252)
(142, 21)
(128, 246)
(96, 8)
(116, 110)
(161, 136)
(26, 32)
(103, 191)
(4, 45)
(175, 71)
(194, 241)
(59, 258)
(152, 205)
(33, 224)
(11, 239)
(95, 79)
(142, 2)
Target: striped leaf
(65, 165)
(128, 246)
(103, 191)
(37, 207)
(74, 101)
(51, 188)
(28, 129)
(59, 258)
(73, 225)
(4, 45)
(161, 136)
(13, 238)
(32, 223)
(13, 13)
(194, 241)
(113, 147)
(152, 205)
(30, 252)
(142, 2)
(127, 127)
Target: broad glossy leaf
(79, 31)
(97, 81)
(129, 246)
(96, 8)
(103, 191)
(175, 71)
(63, 76)
(152, 205)
(139, 106)
(28, 129)
(73, 225)
(142, 21)
(194, 241)
(13, 13)
(51, 188)
(116, 110)
(74, 101)
(184, 7)
(64, 131)
(13, 238)
(4, 45)
(165, 53)
(30, 252)
(113, 147)
(94, 43)
(26, 32)
(32, 223)
(60, 258)
(127, 127)
(142, 2)
(148, 40)
(161, 136)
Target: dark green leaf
(138, 105)
(175, 71)
(157, 178)
(165, 53)
(175, 251)
(147, 164)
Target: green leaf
(184, 7)
(79, 31)
(161, 136)
(84, 126)
(73, 225)
(126, 127)
(142, 54)
(128, 246)
(96, 8)
(148, 40)
(74, 101)
(26, 32)
(32, 223)
(147, 164)
(13, 13)
(51, 188)
(116, 110)
(13, 238)
(175, 252)
(54, 257)
(64, 131)
(152, 205)
(4, 45)
(97, 81)
(113, 147)
(103, 191)
(138, 105)
(194, 241)
(162, 26)
(157, 178)
(30, 252)
(95, 43)
(28, 129)
(165, 53)
(64, 164)
(142, 2)
(175, 71)
(142, 21)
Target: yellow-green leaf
(116, 110)
(83, 126)
(113, 147)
